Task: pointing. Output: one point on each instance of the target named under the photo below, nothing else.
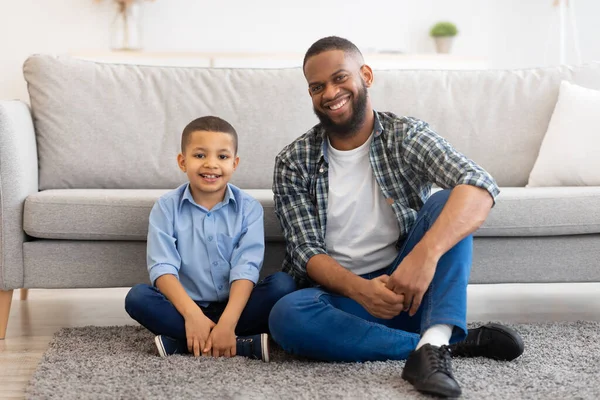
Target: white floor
(33, 322)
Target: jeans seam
(425, 216)
(429, 303)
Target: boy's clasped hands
(206, 338)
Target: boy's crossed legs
(148, 306)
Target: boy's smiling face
(209, 161)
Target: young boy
(205, 251)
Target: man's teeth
(338, 105)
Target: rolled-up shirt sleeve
(297, 216)
(247, 257)
(431, 156)
(162, 256)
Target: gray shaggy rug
(560, 361)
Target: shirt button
(321, 170)
(215, 263)
(208, 214)
(210, 238)
(220, 287)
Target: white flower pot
(443, 44)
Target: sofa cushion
(109, 214)
(548, 211)
(570, 151)
(118, 126)
(111, 126)
(89, 214)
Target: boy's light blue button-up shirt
(206, 250)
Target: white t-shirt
(362, 229)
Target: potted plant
(443, 33)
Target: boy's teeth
(209, 176)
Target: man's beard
(352, 126)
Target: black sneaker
(429, 370)
(255, 347)
(494, 341)
(168, 346)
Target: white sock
(436, 335)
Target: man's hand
(197, 331)
(222, 341)
(413, 277)
(378, 300)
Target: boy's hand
(221, 341)
(197, 331)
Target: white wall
(524, 33)
(508, 33)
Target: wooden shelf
(276, 60)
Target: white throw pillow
(570, 151)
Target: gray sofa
(81, 169)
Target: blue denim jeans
(322, 325)
(148, 306)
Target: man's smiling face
(338, 90)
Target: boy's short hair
(209, 124)
(332, 43)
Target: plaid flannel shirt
(407, 157)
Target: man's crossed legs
(321, 325)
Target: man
(385, 265)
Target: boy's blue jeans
(148, 306)
(321, 325)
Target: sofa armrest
(18, 179)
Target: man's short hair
(332, 43)
(208, 124)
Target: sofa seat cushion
(109, 214)
(547, 211)
(120, 214)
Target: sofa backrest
(119, 126)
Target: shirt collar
(377, 129)
(229, 198)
